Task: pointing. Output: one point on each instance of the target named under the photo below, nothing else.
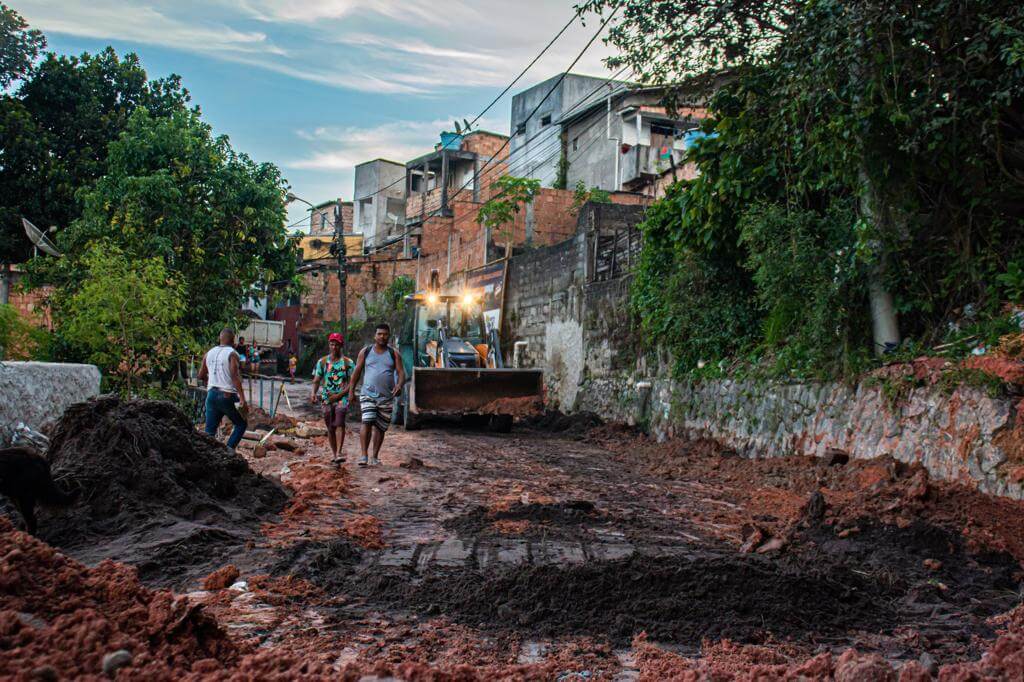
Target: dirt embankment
(153, 491)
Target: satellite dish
(39, 239)
(465, 125)
(458, 130)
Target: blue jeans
(220, 404)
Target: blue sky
(317, 86)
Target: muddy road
(517, 545)
(573, 548)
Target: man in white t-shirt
(222, 372)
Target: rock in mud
(836, 457)
(116, 660)
(814, 510)
(307, 430)
(221, 578)
(45, 673)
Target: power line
(478, 175)
(554, 87)
(522, 73)
(556, 150)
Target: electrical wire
(478, 175)
(504, 92)
(556, 152)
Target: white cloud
(417, 47)
(122, 21)
(341, 148)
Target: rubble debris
(309, 430)
(260, 420)
(221, 578)
(814, 510)
(143, 470)
(87, 613)
(413, 463)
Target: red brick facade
(366, 276)
(31, 305)
(452, 245)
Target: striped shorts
(376, 411)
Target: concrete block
(39, 392)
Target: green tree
(582, 195)
(173, 191)
(55, 131)
(512, 195)
(19, 339)
(19, 46)
(903, 119)
(125, 316)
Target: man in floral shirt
(331, 380)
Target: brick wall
(31, 305)
(367, 276)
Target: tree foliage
(511, 194)
(55, 131)
(847, 135)
(19, 46)
(173, 191)
(125, 316)
(19, 339)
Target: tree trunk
(884, 323)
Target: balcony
(643, 164)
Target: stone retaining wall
(39, 392)
(963, 436)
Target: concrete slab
(39, 392)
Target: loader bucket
(464, 391)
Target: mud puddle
(532, 520)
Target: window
(546, 120)
(575, 143)
(521, 128)
(323, 220)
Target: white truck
(264, 333)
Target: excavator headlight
(433, 299)
(468, 300)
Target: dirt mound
(537, 519)
(671, 598)
(144, 471)
(259, 418)
(576, 424)
(56, 613)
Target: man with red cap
(331, 380)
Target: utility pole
(339, 248)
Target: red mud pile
(143, 471)
(59, 619)
(725, 660)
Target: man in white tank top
(222, 372)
